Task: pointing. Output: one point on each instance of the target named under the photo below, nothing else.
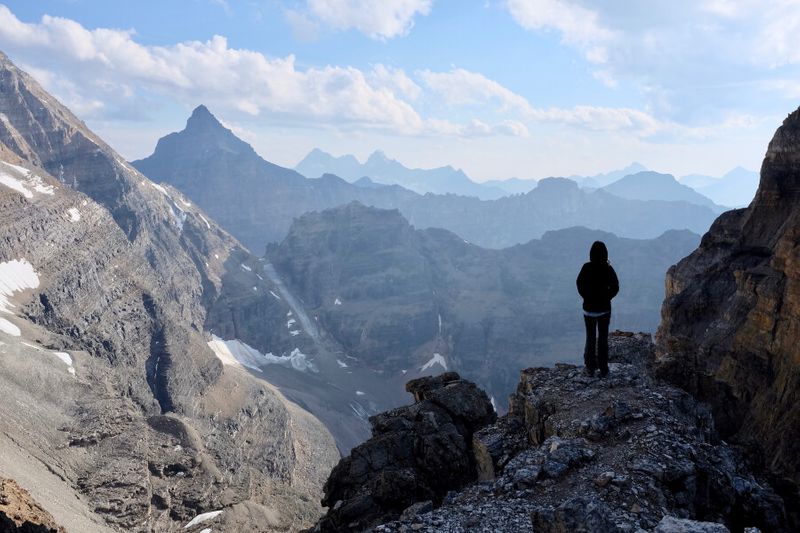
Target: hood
(598, 253)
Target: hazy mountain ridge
(650, 185)
(256, 201)
(381, 169)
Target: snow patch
(160, 189)
(255, 289)
(16, 184)
(74, 214)
(15, 276)
(437, 359)
(275, 295)
(237, 353)
(341, 363)
(8, 328)
(247, 268)
(337, 302)
(204, 220)
(294, 332)
(359, 410)
(216, 256)
(291, 322)
(494, 405)
(67, 359)
(360, 393)
(40, 187)
(22, 180)
(205, 517)
(184, 202)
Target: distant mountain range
(734, 189)
(256, 200)
(381, 169)
(649, 185)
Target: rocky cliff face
(407, 302)
(117, 413)
(730, 320)
(257, 201)
(627, 453)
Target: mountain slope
(106, 282)
(650, 185)
(257, 201)
(730, 320)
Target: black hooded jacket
(597, 281)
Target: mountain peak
(203, 118)
(378, 156)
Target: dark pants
(596, 342)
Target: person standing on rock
(597, 285)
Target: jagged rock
(730, 320)
(20, 512)
(657, 455)
(670, 524)
(578, 514)
(416, 453)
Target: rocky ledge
(20, 512)
(623, 454)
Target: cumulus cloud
(102, 73)
(460, 87)
(383, 19)
(578, 25)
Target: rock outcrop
(417, 453)
(622, 454)
(731, 318)
(20, 512)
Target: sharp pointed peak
(202, 116)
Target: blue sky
(500, 88)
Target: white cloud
(381, 19)
(461, 87)
(395, 80)
(96, 71)
(578, 25)
(693, 61)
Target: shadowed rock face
(416, 453)
(394, 296)
(731, 318)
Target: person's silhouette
(597, 284)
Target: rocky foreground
(575, 453)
